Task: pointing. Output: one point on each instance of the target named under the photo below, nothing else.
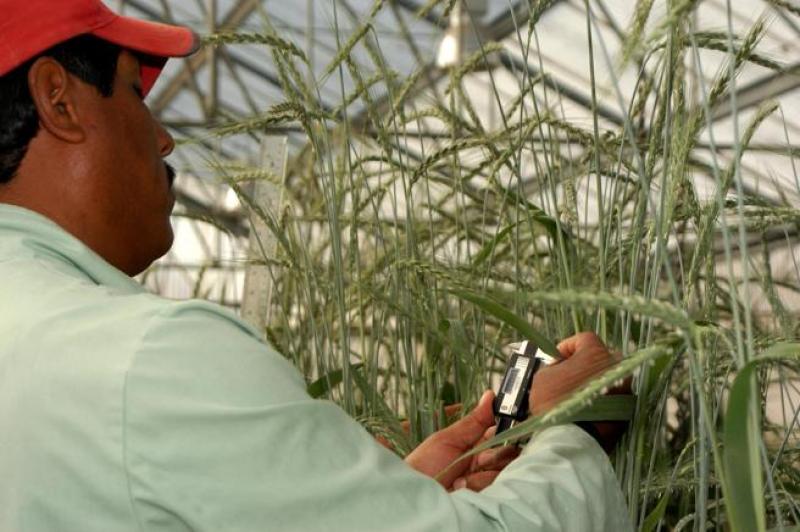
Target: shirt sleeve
(219, 434)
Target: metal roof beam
(234, 18)
(167, 14)
(516, 64)
(507, 22)
(503, 24)
(760, 90)
(414, 7)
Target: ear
(54, 94)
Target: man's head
(77, 143)
(92, 60)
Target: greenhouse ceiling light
(464, 34)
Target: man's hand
(585, 356)
(441, 448)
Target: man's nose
(165, 141)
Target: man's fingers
(495, 459)
(483, 412)
(586, 356)
(488, 434)
(580, 342)
(569, 346)
(452, 410)
(465, 432)
(476, 481)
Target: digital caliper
(511, 404)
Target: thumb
(465, 432)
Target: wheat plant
(415, 240)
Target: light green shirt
(123, 411)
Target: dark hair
(91, 59)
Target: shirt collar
(24, 232)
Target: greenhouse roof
(225, 83)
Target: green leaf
(743, 480)
(467, 371)
(326, 383)
(652, 520)
(487, 248)
(606, 408)
(382, 411)
(742, 462)
(536, 215)
(506, 316)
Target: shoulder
(198, 348)
(196, 314)
(138, 335)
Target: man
(123, 411)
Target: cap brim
(158, 41)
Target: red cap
(29, 27)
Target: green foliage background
(401, 273)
